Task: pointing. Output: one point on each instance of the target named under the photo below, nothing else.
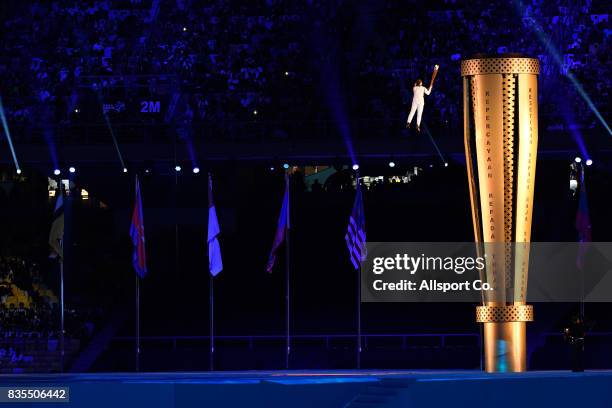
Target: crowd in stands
(225, 62)
(566, 37)
(26, 303)
(29, 313)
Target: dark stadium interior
(238, 89)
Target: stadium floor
(339, 388)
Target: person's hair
(418, 82)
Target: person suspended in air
(418, 103)
(418, 99)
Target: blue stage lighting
(589, 162)
(18, 171)
(57, 172)
(8, 134)
(177, 168)
(196, 170)
(355, 167)
(558, 58)
(285, 166)
(578, 159)
(71, 169)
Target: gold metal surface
(501, 65)
(527, 152)
(506, 313)
(468, 155)
(500, 138)
(505, 347)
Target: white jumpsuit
(418, 102)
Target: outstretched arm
(428, 90)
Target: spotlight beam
(552, 50)
(330, 71)
(110, 129)
(8, 135)
(569, 119)
(433, 142)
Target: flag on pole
(138, 236)
(583, 222)
(57, 227)
(355, 235)
(215, 262)
(282, 227)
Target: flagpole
(358, 304)
(61, 339)
(288, 276)
(581, 305)
(212, 325)
(137, 323)
(67, 212)
(138, 260)
(288, 304)
(358, 318)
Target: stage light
(286, 73)
(57, 172)
(578, 159)
(76, 110)
(271, 168)
(285, 166)
(255, 112)
(445, 164)
(391, 164)
(18, 171)
(71, 169)
(177, 168)
(196, 170)
(147, 171)
(184, 29)
(355, 167)
(125, 169)
(589, 162)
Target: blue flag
(215, 263)
(355, 235)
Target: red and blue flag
(139, 259)
(282, 227)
